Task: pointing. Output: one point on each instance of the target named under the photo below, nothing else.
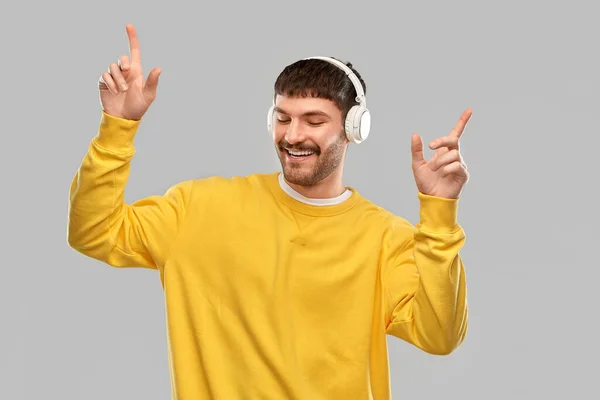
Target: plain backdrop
(73, 328)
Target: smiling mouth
(299, 155)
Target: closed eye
(281, 121)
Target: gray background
(73, 328)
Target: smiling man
(282, 285)
(311, 158)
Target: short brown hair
(319, 78)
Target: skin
(309, 123)
(124, 93)
(296, 128)
(445, 174)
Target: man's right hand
(123, 91)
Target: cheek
(332, 139)
(278, 137)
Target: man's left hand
(445, 174)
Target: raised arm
(424, 279)
(101, 225)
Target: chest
(265, 256)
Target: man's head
(312, 99)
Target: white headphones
(358, 121)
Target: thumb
(152, 82)
(417, 150)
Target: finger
(455, 168)
(124, 63)
(118, 77)
(152, 83)
(451, 142)
(445, 159)
(439, 152)
(462, 122)
(106, 81)
(134, 45)
(417, 150)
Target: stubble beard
(311, 173)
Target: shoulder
(221, 187)
(233, 182)
(379, 215)
(394, 230)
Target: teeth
(300, 153)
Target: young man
(280, 286)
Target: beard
(311, 172)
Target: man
(280, 286)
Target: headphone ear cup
(349, 124)
(357, 124)
(270, 121)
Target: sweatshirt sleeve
(424, 282)
(101, 225)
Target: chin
(303, 173)
(298, 177)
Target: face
(309, 138)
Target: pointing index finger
(134, 46)
(462, 122)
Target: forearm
(440, 304)
(428, 290)
(96, 206)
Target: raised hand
(445, 174)
(123, 91)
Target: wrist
(438, 214)
(116, 133)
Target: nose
(294, 132)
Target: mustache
(284, 144)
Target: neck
(328, 188)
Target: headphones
(358, 120)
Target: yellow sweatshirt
(268, 297)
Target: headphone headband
(360, 94)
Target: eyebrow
(306, 114)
